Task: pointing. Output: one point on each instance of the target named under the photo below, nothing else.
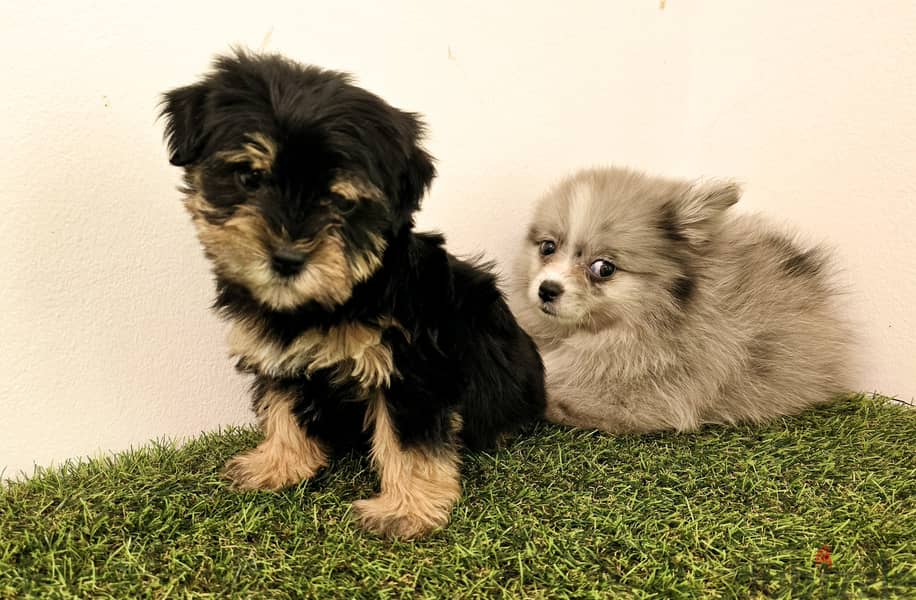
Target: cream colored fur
(352, 349)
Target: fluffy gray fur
(709, 317)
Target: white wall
(105, 336)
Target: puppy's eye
(250, 179)
(547, 248)
(342, 205)
(602, 269)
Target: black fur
(669, 225)
(682, 290)
(460, 349)
(324, 121)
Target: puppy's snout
(288, 262)
(549, 290)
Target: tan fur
(242, 245)
(240, 249)
(354, 188)
(418, 487)
(356, 350)
(753, 340)
(285, 457)
(364, 265)
(260, 152)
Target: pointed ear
(701, 208)
(183, 110)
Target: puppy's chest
(349, 350)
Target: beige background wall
(105, 336)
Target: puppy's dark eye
(602, 269)
(250, 179)
(342, 205)
(547, 248)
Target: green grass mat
(721, 513)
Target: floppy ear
(417, 177)
(183, 109)
(701, 209)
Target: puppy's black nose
(288, 262)
(549, 290)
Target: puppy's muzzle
(550, 291)
(288, 262)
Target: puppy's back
(777, 298)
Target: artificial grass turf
(726, 512)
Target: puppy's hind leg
(286, 456)
(419, 485)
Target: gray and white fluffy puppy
(657, 308)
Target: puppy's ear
(417, 177)
(183, 109)
(700, 209)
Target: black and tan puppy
(358, 331)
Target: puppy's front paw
(388, 517)
(260, 469)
